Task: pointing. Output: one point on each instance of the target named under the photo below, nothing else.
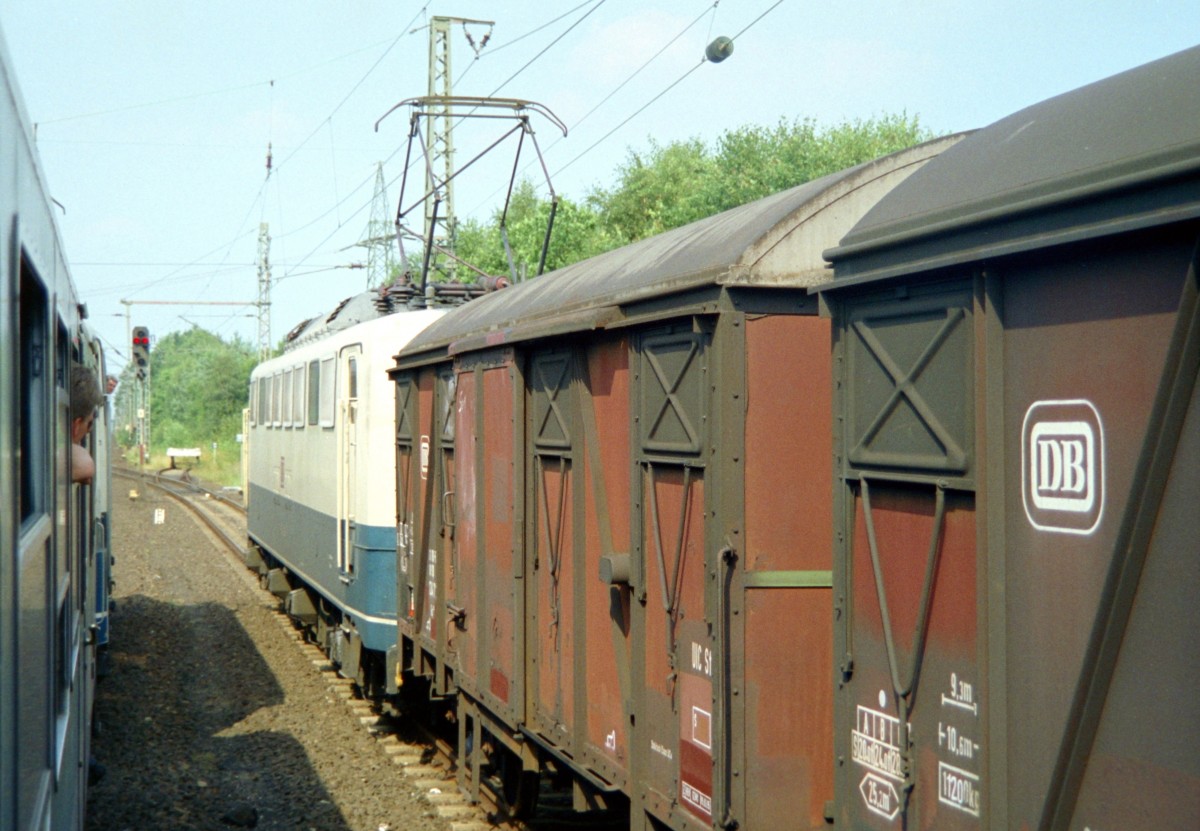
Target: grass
(224, 470)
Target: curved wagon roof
(773, 242)
(1120, 154)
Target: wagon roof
(775, 241)
(1112, 156)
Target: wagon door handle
(448, 518)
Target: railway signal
(141, 351)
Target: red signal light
(141, 348)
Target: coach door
(348, 450)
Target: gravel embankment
(212, 718)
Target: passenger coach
(613, 493)
(54, 537)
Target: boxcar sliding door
(675, 657)
(552, 600)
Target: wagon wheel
(518, 792)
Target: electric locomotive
(321, 488)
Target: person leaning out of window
(86, 398)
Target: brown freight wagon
(614, 496)
(1017, 559)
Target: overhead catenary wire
(546, 48)
(670, 87)
(540, 54)
(639, 70)
(192, 96)
(520, 38)
(595, 4)
(297, 269)
(641, 109)
(277, 165)
(621, 85)
(203, 256)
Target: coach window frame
(36, 529)
(65, 577)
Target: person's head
(85, 398)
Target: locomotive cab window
(327, 396)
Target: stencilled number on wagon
(404, 540)
(701, 659)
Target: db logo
(1062, 466)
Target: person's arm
(83, 468)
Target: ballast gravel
(210, 716)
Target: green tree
(658, 190)
(199, 386)
(685, 181)
(577, 234)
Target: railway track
(426, 759)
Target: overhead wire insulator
(720, 49)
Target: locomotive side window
(276, 385)
(286, 398)
(327, 392)
(352, 380)
(298, 396)
(314, 391)
(253, 404)
(264, 389)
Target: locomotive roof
(1112, 156)
(775, 241)
(374, 304)
(356, 309)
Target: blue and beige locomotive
(321, 491)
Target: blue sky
(154, 117)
